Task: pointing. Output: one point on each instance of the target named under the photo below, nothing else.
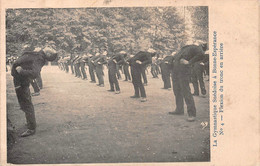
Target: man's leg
(71, 67)
(110, 82)
(24, 99)
(199, 75)
(195, 82)
(115, 81)
(92, 74)
(168, 80)
(35, 87)
(185, 88)
(140, 84)
(83, 71)
(134, 81)
(178, 95)
(144, 75)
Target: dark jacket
(191, 53)
(144, 57)
(101, 59)
(31, 63)
(119, 60)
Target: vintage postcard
(112, 82)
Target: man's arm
(148, 59)
(32, 73)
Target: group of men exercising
(179, 65)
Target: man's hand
(114, 60)
(166, 62)
(139, 62)
(184, 62)
(18, 69)
(99, 63)
(201, 63)
(92, 61)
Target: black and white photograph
(107, 85)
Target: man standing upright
(27, 67)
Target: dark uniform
(82, 67)
(31, 64)
(181, 78)
(126, 68)
(98, 62)
(197, 76)
(166, 67)
(137, 69)
(112, 70)
(143, 72)
(91, 68)
(77, 66)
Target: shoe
(98, 84)
(191, 119)
(134, 96)
(28, 133)
(145, 84)
(195, 94)
(101, 85)
(143, 99)
(117, 92)
(125, 80)
(92, 81)
(111, 90)
(36, 94)
(176, 113)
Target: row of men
(158, 66)
(28, 66)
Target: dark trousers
(83, 71)
(24, 98)
(158, 69)
(66, 67)
(91, 73)
(113, 80)
(181, 89)
(166, 74)
(118, 72)
(77, 70)
(35, 86)
(126, 72)
(197, 76)
(154, 71)
(100, 74)
(144, 74)
(71, 67)
(137, 80)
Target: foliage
(94, 29)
